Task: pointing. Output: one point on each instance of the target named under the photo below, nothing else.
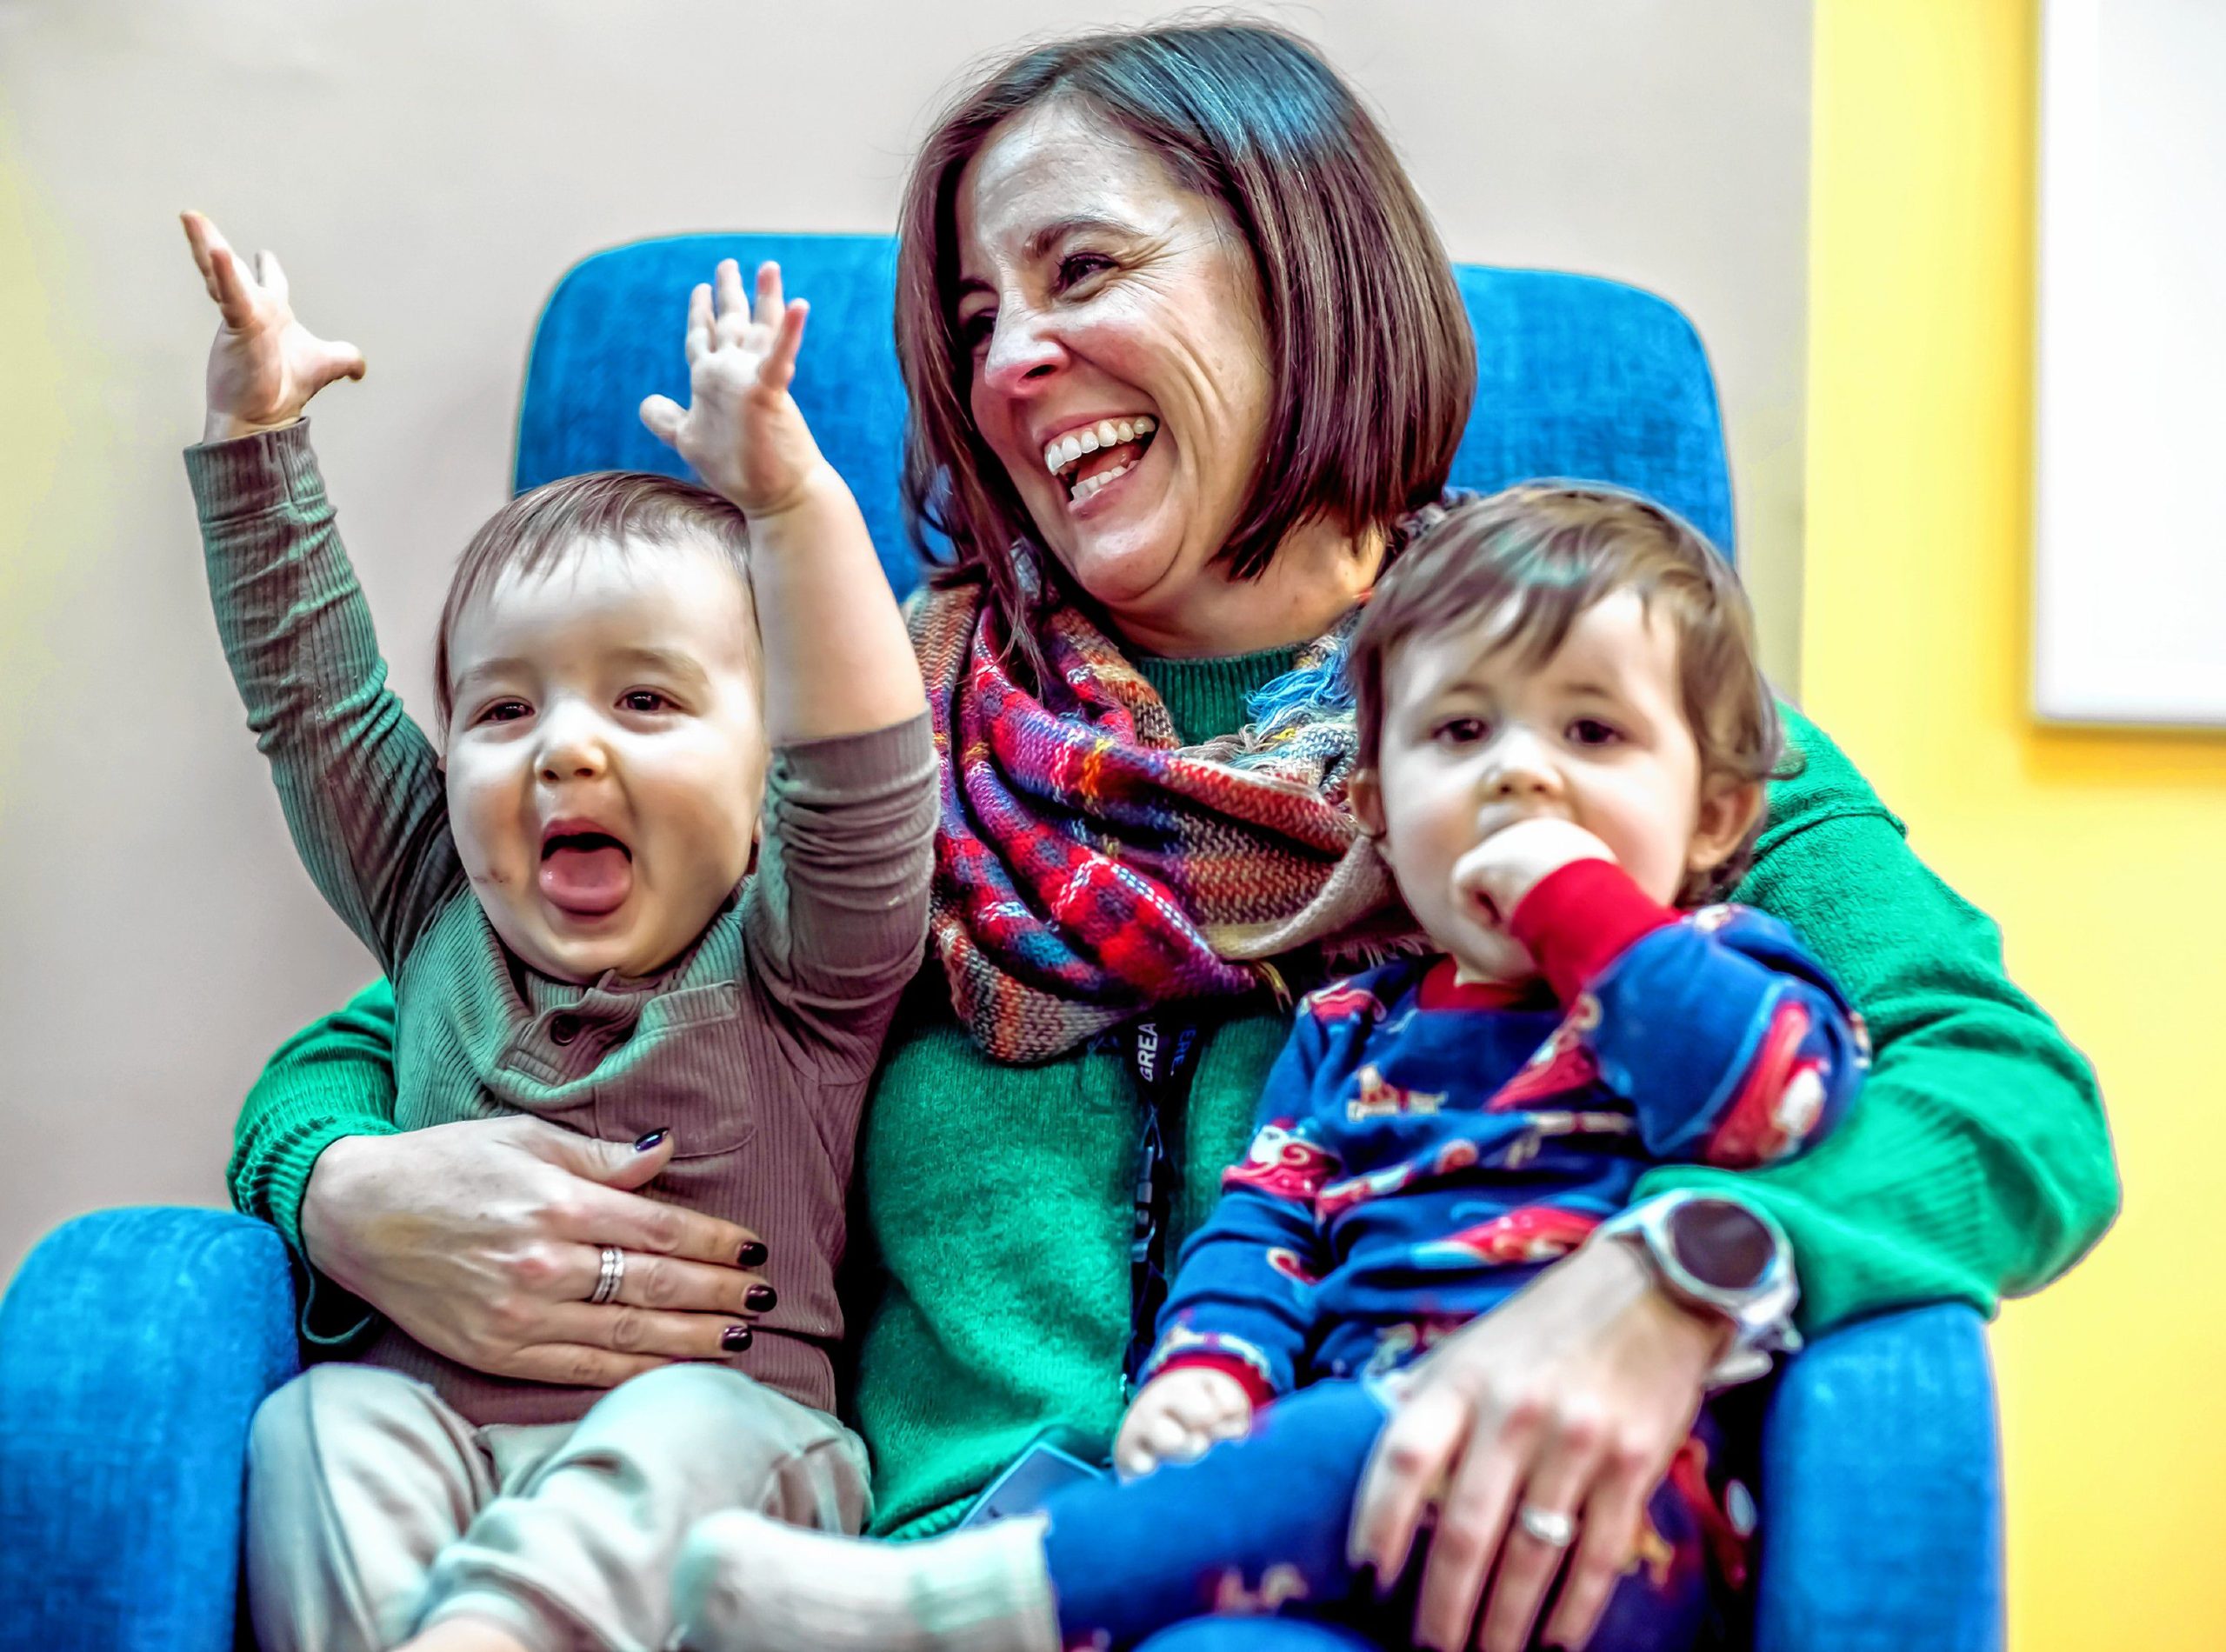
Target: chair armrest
(134, 1346)
(1882, 1505)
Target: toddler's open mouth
(585, 872)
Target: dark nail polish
(735, 1338)
(651, 1140)
(761, 1299)
(752, 1254)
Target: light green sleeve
(333, 1078)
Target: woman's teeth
(1088, 485)
(1105, 433)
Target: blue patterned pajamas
(1425, 1146)
(1257, 1526)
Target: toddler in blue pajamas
(1563, 738)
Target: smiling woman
(1095, 238)
(1142, 309)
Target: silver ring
(1555, 1531)
(613, 1274)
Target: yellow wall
(2100, 853)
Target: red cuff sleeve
(1579, 919)
(1251, 1381)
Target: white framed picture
(2130, 508)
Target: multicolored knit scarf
(1086, 866)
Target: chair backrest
(1576, 377)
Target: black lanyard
(1163, 1052)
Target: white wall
(2128, 587)
(427, 170)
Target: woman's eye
(505, 711)
(973, 330)
(645, 700)
(1591, 731)
(1078, 267)
(1460, 731)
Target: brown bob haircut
(1527, 561)
(1371, 360)
(540, 527)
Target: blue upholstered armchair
(135, 1344)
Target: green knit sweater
(993, 1223)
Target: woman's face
(1108, 308)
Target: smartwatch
(1722, 1258)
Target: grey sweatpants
(375, 1509)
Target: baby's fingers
(200, 235)
(220, 271)
(1233, 1418)
(229, 287)
(1207, 1408)
(1132, 1459)
(336, 360)
(780, 365)
(663, 416)
(699, 340)
(272, 277)
(1169, 1439)
(733, 307)
(1473, 873)
(770, 307)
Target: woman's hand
(264, 365)
(1570, 1400)
(742, 430)
(483, 1241)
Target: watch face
(1724, 1245)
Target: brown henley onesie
(753, 1047)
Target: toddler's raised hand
(742, 432)
(264, 365)
(1177, 1416)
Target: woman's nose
(1023, 351)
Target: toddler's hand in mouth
(1514, 858)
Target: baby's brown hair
(541, 525)
(1529, 561)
